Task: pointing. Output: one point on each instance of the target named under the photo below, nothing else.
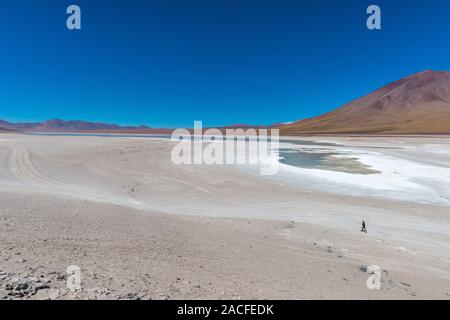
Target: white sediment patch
(398, 177)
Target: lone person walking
(363, 229)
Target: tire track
(22, 166)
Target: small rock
(21, 286)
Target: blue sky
(166, 63)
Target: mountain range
(418, 104)
(58, 125)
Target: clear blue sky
(168, 63)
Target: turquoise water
(324, 160)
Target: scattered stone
(131, 296)
(13, 287)
(405, 284)
(21, 286)
(60, 277)
(41, 287)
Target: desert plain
(140, 227)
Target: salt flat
(140, 226)
(416, 170)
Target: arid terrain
(418, 104)
(141, 227)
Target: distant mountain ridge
(418, 104)
(58, 125)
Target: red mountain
(418, 104)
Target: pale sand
(142, 227)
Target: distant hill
(5, 130)
(418, 104)
(58, 125)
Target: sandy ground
(139, 226)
